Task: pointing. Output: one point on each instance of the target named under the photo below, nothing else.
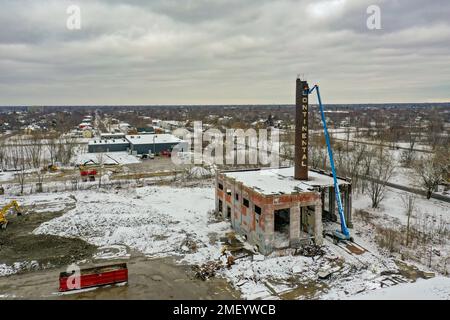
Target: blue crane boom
(344, 233)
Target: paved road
(380, 145)
(414, 190)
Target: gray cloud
(205, 51)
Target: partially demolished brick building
(285, 207)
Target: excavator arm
(344, 233)
(4, 211)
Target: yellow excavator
(12, 205)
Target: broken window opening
(307, 220)
(281, 227)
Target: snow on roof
(153, 138)
(281, 181)
(107, 158)
(108, 141)
(115, 134)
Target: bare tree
(34, 150)
(101, 163)
(408, 200)
(287, 153)
(355, 163)
(435, 128)
(34, 154)
(21, 161)
(430, 170)
(13, 150)
(318, 157)
(52, 148)
(65, 149)
(3, 154)
(379, 167)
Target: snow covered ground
(6, 176)
(37, 203)
(158, 220)
(152, 220)
(393, 208)
(430, 218)
(432, 289)
(6, 270)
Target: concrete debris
(188, 245)
(207, 270)
(310, 250)
(230, 261)
(326, 272)
(428, 275)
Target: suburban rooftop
(152, 138)
(108, 141)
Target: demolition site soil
(18, 243)
(148, 278)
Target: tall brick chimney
(301, 130)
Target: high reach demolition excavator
(4, 211)
(344, 233)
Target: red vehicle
(94, 277)
(88, 173)
(166, 153)
(85, 174)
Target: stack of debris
(188, 245)
(310, 250)
(207, 270)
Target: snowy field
(6, 176)
(432, 289)
(36, 203)
(157, 221)
(107, 158)
(392, 207)
(153, 220)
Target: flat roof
(109, 141)
(115, 134)
(281, 181)
(152, 138)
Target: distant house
(31, 128)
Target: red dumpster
(94, 277)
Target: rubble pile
(311, 250)
(207, 270)
(188, 245)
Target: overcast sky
(222, 51)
